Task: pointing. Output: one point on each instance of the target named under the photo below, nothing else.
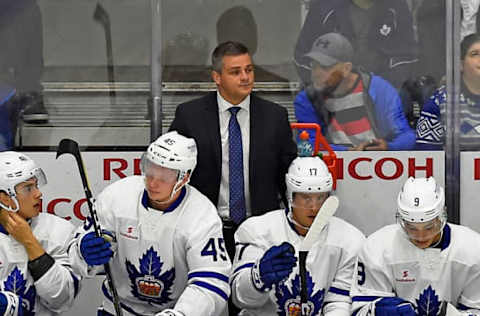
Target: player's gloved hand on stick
(96, 250)
(169, 312)
(275, 265)
(394, 306)
(10, 304)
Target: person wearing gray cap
(381, 32)
(356, 110)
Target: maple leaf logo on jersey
(17, 284)
(149, 284)
(428, 303)
(288, 302)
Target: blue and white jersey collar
(146, 202)
(3, 230)
(446, 237)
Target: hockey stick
(68, 146)
(447, 309)
(101, 16)
(327, 210)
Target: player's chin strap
(178, 186)
(10, 209)
(290, 218)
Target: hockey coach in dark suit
(245, 143)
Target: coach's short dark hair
(467, 42)
(229, 48)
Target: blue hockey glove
(394, 306)
(95, 250)
(10, 304)
(275, 265)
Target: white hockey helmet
(420, 200)
(172, 151)
(307, 175)
(16, 168)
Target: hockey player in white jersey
(266, 278)
(170, 257)
(421, 263)
(35, 274)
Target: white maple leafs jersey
(55, 291)
(170, 259)
(390, 265)
(330, 266)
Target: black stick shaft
(303, 282)
(68, 146)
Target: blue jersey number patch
(361, 273)
(215, 247)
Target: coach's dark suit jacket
(271, 148)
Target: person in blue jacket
(356, 110)
(431, 124)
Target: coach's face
(235, 81)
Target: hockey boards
(327, 210)
(69, 146)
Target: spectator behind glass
(356, 110)
(21, 56)
(431, 126)
(7, 96)
(381, 33)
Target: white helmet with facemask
(172, 151)
(421, 200)
(16, 168)
(307, 175)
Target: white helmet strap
(291, 219)
(177, 187)
(9, 208)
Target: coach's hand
(275, 265)
(95, 250)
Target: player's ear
(186, 178)
(5, 198)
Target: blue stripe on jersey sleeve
(76, 284)
(336, 290)
(246, 265)
(212, 288)
(462, 307)
(208, 274)
(364, 298)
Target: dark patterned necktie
(235, 180)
